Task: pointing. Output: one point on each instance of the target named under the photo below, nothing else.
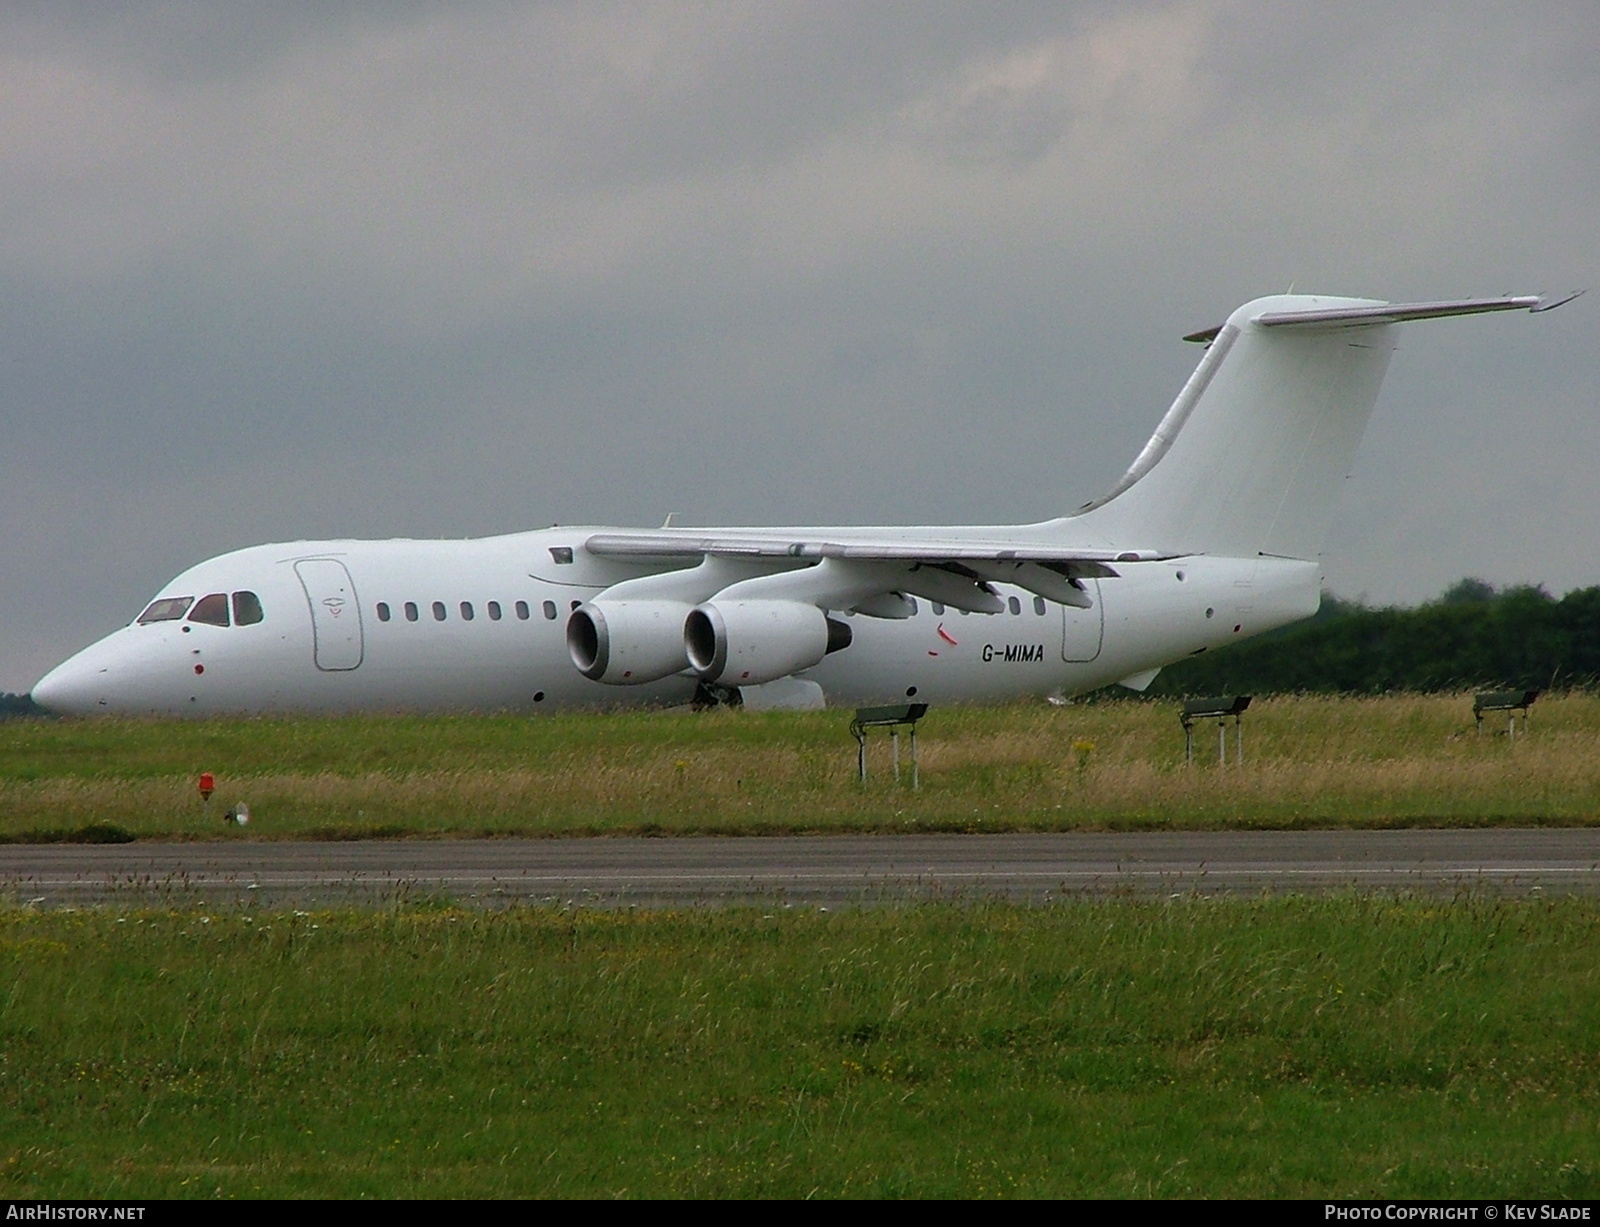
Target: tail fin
(1250, 457)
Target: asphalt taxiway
(803, 869)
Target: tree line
(1474, 637)
(17, 705)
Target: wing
(863, 570)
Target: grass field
(1313, 1047)
(1331, 1047)
(1310, 761)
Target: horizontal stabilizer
(1399, 312)
(1394, 312)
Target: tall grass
(1309, 761)
(1330, 1047)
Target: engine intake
(747, 643)
(627, 643)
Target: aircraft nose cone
(73, 688)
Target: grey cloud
(189, 42)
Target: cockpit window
(212, 610)
(246, 609)
(167, 609)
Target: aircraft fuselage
(438, 626)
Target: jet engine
(746, 643)
(627, 643)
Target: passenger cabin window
(211, 610)
(466, 611)
(938, 609)
(1016, 605)
(383, 611)
(167, 609)
(1038, 605)
(494, 611)
(246, 609)
(522, 610)
(411, 611)
(438, 611)
(550, 610)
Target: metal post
(891, 717)
(1509, 701)
(1218, 708)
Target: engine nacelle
(747, 643)
(628, 643)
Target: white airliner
(1211, 535)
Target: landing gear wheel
(707, 696)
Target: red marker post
(208, 785)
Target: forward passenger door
(335, 613)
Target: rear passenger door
(1083, 630)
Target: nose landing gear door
(335, 613)
(1083, 630)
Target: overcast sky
(313, 270)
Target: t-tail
(1249, 459)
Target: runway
(813, 870)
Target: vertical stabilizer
(1250, 457)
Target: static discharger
(893, 718)
(1219, 709)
